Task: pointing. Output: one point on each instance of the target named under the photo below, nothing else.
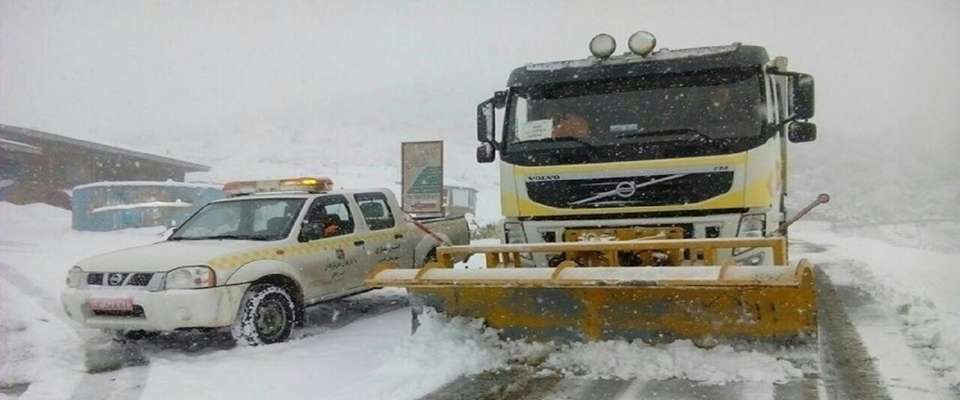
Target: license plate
(121, 304)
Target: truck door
(333, 268)
(385, 240)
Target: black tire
(267, 315)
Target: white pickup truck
(253, 261)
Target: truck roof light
(642, 43)
(603, 46)
(240, 188)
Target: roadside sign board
(422, 178)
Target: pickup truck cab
(253, 261)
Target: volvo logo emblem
(626, 189)
(115, 279)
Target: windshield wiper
(215, 237)
(683, 133)
(261, 237)
(582, 142)
(663, 132)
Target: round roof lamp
(602, 46)
(642, 43)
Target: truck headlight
(752, 225)
(75, 277)
(190, 277)
(513, 233)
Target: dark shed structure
(41, 167)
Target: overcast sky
(139, 74)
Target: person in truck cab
(567, 124)
(331, 225)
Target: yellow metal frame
(702, 251)
(703, 302)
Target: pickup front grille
(140, 279)
(95, 278)
(117, 279)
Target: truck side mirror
(803, 107)
(486, 153)
(499, 99)
(310, 231)
(486, 128)
(799, 132)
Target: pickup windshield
(260, 219)
(660, 116)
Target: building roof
(16, 134)
(13, 145)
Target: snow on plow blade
(705, 303)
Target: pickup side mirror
(486, 122)
(799, 132)
(803, 99)
(310, 231)
(486, 153)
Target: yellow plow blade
(705, 303)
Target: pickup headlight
(513, 233)
(752, 225)
(75, 277)
(190, 277)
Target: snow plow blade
(708, 304)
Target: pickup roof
(253, 263)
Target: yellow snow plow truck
(643, 197)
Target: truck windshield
(658, 116)
(260, 219)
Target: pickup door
(384, 242)
(337, 267)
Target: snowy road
(889, 320)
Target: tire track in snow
(848, 369)
(124, 383)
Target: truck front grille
(630, 191)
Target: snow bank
(626, 360)
(443, 349)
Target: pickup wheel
(267, 315)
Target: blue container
(107, 206)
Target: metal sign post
(422, 178)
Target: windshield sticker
(624, 128)
(535, 130)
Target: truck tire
(267, 315)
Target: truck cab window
(334, 213)
(376, 211)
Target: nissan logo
(115, 279)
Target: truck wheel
(267, 315)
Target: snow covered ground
(362, 348)
(919, 286)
